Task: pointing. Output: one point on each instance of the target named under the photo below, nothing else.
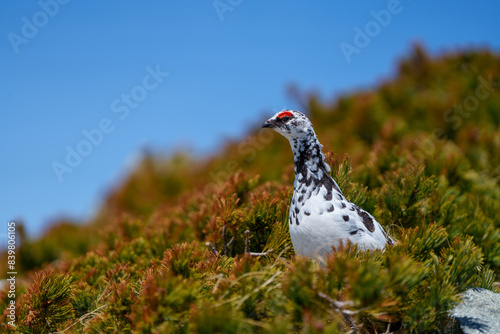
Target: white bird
(320, 216)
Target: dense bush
(167, 251)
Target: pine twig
(226, 243)
(212, 248)
(224, 239)
(247, 241)
(339, 306)
(83, 319)
(247, 246)
(231, 243)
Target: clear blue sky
(73, 66)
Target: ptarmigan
(320, 215)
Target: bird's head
(290, 123)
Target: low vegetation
(167, 252)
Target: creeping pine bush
(169, 250)
(47, 304)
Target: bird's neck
(308, 158)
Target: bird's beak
(267, 124)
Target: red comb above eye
(284, 114)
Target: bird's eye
(285, 116)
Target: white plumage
(320, 216)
